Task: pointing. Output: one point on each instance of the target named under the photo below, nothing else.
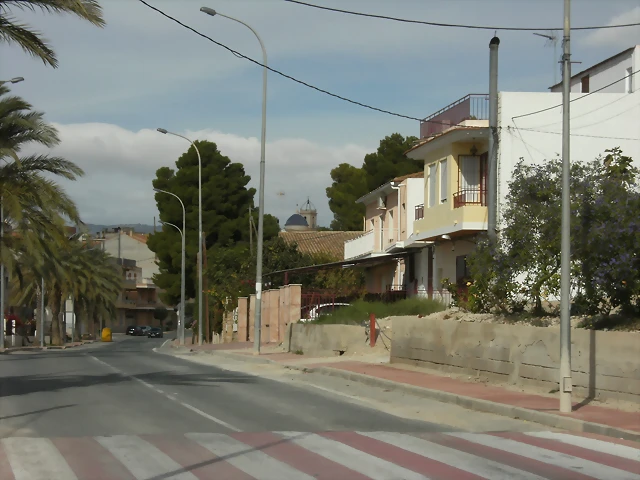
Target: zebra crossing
(321, 455)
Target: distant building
(305, 219)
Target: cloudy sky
(116, 85)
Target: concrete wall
(313, 339)
(605, 364)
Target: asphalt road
(120, 411)
(126, 388)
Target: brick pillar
(252, 315)
(274, 315)
(264, 319)
(283, 316)
(295, 303)
(243, 319)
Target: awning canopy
(356, 262)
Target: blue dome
(296, 220)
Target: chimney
(492, 187)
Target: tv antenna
(552, 41)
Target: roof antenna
(552, 40)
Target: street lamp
(258, 308)
(182, 279)
(162, 130)
(13, 80)
(2, 282)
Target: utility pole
(205, 293)
(250, 231)
(492, 187)
(565, 255)
(2, 305)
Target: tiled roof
(411, 175)
(312, 242)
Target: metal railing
(470, 196)
(474, 106)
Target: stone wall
(605, 365)
(280, 308)
(311, 339)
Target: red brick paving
(596, 414)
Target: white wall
(598, 122)
(415, 196)
(607, 73)
(133, 250)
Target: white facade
(132, 249)
(607, 72)
(415, 197)
(598, 122)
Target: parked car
(155, 332)
(130, 329)
(312, 312)
(145, 329)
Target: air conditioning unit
(381, 204)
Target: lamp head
(162, 130)
(17, 80)
(208, 11)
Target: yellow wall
(443, 215)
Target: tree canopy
(350, 183)
(524, 265)
(225, 214)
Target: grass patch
(622, 323)
(359, 311)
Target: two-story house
(388, 225)
(454, 147)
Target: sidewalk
(376, 371)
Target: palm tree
(30, 40)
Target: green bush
(359, 311)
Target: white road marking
(246, 458)
(571, 463)
(169, 397)
(361, 462)
(39, 467)
(141, 458)
(592, 444)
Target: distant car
(155, 332)
(314, 311)
(131, 329)
(145, 329)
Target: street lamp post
(181, 321)
(2, 282)
(183, 233)
(258, 307)
(162, 130)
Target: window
(444, 191)
(584, 81)
(628, 82)
(432, 185)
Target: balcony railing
(470, 196)
(359, 246)
(419, 215)
(470, 107)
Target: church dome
(296, 221)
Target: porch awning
(357, 262)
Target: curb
(10, 350)
(470, 403)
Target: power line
(576, 99)
(452, 25)
(577, 134)
(240, 55)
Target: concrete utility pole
(492, 187)
(565, 255)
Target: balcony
(470, 107)
(419, 212)
(470, 196)
(359, 246)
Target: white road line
(141, 458)
(169, 397)
(571, 463)
(455, 458)
(164, 343)
(246, 458)
(21, 453)
(592, 444)
(361, 462)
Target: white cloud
(617, 37)
(120, 164)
